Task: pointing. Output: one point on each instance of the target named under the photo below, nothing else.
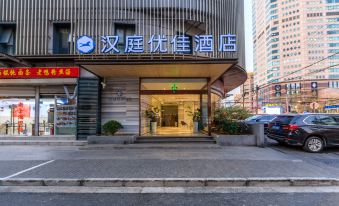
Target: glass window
(253, 118)
(17, 116)
(65, 116)
(123, 30)
(283, 119)
(327, 120)
(266, 118)
(174, 84)
(62, 39)
(46, 118)
(311, 120)
(7, 39)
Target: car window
(252, 118)
(266, 118)
(284, 119)
(327, 120)
(311, 119)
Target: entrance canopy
(217, 70)
(212, 71)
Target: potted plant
(111, 127)
(196, 120)
(110, 136)
(230, 128)
(153, 117)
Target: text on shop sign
(158, 44)
(39, 72)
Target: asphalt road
(70, 162)
(239, 199)
(220, 162)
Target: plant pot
(196, 127)
(154, 126)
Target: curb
(153, 146)
(175, 182)
(43, 142)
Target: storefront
(49, 98)
(175, 91)
(177, 60)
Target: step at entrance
(171, 139)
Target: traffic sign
(314, 105)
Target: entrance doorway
(169, 115)
(176, 110)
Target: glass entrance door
(179, 107)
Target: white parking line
(26, 170)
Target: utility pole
(287, 100)
(243, 96)
(257, 98)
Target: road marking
(26, 170)
(165, 190)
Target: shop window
(65, 116)
(46, 118)
(123, 30)
(7, 38)
(62, 38)
(57, 116)
(17, 116)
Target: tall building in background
(246, 98)
(291, 38)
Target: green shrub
(111, 127)
(234, 113)
(151, 115)
(229, 121)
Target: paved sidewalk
(218, 162)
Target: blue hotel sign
(158, 44)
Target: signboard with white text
(159, 44)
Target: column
(209, 107)
(37, 110)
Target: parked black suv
(312, 131)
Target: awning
(232, 76)
(212, 71)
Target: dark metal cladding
(34, 20)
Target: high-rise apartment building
(295, 42)
(290, 35)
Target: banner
(39, 72)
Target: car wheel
(314, 145)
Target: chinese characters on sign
(39, 73)
(179, 43)
(21, 111)
(20, 117)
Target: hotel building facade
(69, 66)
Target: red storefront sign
(39, 72)
(20, 113)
